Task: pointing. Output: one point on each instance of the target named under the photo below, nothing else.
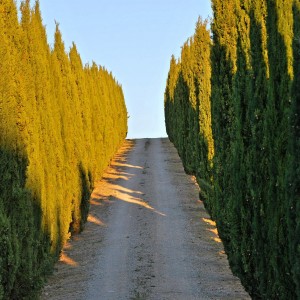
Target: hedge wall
(60, 124)
(253, 191)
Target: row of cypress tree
(252, 184)
(60, 124)
(188, 106)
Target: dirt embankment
(147, 237)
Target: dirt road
(148, 236)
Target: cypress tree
(293, 172)
(204, 139)
(56, 120)
(223, 56)
(188, 109)
(253, 188)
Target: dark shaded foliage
(254, 190)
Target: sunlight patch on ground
(95, 220)
(214, 230)
(209, 221)
(117, 164)
(95, 202)
(128, 198)
(67, 260)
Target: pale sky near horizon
(135, 40)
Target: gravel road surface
(148, 236)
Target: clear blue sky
(135, 40)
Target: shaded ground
(147, 237)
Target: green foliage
(60, 124)
(24, 246)
(187, 106)
(253, 191)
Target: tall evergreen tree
(252, 191)
(60, 124)
(188, 109)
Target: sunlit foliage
(187, 106)
(60, 124)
